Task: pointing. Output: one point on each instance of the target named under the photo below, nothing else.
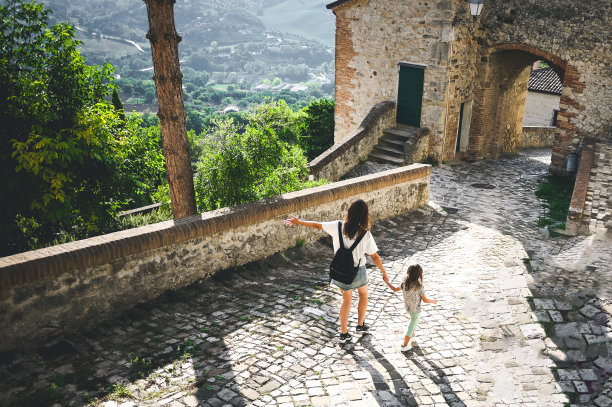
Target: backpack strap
(342, 240)
(357, 241)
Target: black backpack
(342, 268)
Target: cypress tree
(118, 104)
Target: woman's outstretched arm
(293, 220)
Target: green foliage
(318, 127)
(240, 166)
(279, 117)
(81, 162)
(556, 195)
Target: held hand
(293, 220)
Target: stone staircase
(390, 147)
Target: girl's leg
(345, 308)
(414, 320)
(363, 304)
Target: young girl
(412, 288)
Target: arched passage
(499, 103)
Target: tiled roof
(545, 80)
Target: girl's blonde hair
(413, 278)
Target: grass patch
(556, 195)
(431, 161)
(119, 391)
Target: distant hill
(308, 18)
(228, 42)
(222, 21)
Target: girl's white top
(366, 246)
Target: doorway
(410, 94)
(463, 130)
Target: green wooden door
(410, 95)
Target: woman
(356, 223)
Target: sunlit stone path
(523, 319)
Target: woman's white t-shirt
(366, 246)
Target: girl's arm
(428, 300)
(293, 220)
(391, 286)
(376, 259)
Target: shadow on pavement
(191, 345)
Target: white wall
(539, 109)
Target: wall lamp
(475, 7)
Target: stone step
(384, 158)
(392, 142)
(400, 132)
(389, 150)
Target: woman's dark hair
(413, 278)
(357, 220)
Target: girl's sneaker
(410, 345)
(345, 337)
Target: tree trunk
(169, 84)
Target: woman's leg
(345, 308)
(363, 303)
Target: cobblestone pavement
(523, 319)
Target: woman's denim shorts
(360, 280)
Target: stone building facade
(476, 71)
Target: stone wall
(573, 39)
(537, 136)
(350, 151)
(417, 148)
(485, 61)
(48, 292)
(372, 37)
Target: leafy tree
(244, 166)
(280, 118)
(318, 127)
(80, 162)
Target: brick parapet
(581, 185)
(49, 262)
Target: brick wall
(48, 292)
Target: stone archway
(499, 102)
